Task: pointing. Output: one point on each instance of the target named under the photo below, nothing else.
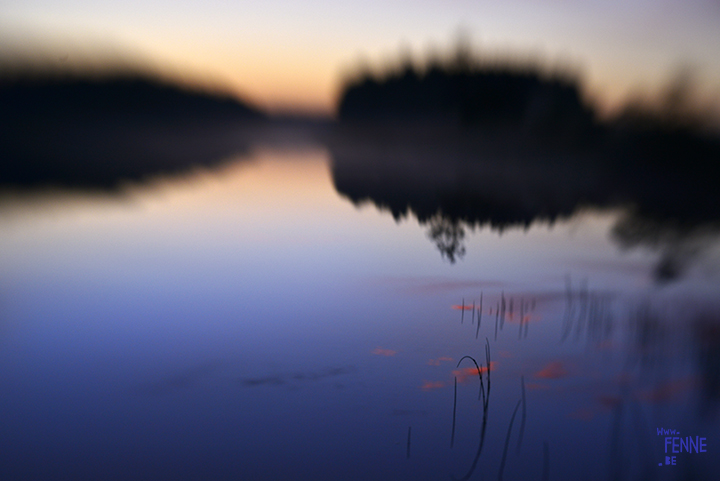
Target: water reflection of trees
(452, 179)
(448, 236)
(475, 140)
(587, 312)
(671, 347)
(706, 333)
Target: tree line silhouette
(82, 131)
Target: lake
(279, 317)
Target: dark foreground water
(251, 323)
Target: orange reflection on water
(553, 370)
(463, 374)
(430, 385)
(458, 307)
(668, 390)
(379, 351)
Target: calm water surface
(252, 323)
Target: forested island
(79, 130)
(468, 143)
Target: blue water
(251, 323)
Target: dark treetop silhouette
(489, 96)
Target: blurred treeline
(85, 130)
(470, 92)
(522, 94)
(519, 111)
(32, 99)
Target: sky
(292, 55)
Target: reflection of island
(454, 184)
(467, 144)
(447, 188)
